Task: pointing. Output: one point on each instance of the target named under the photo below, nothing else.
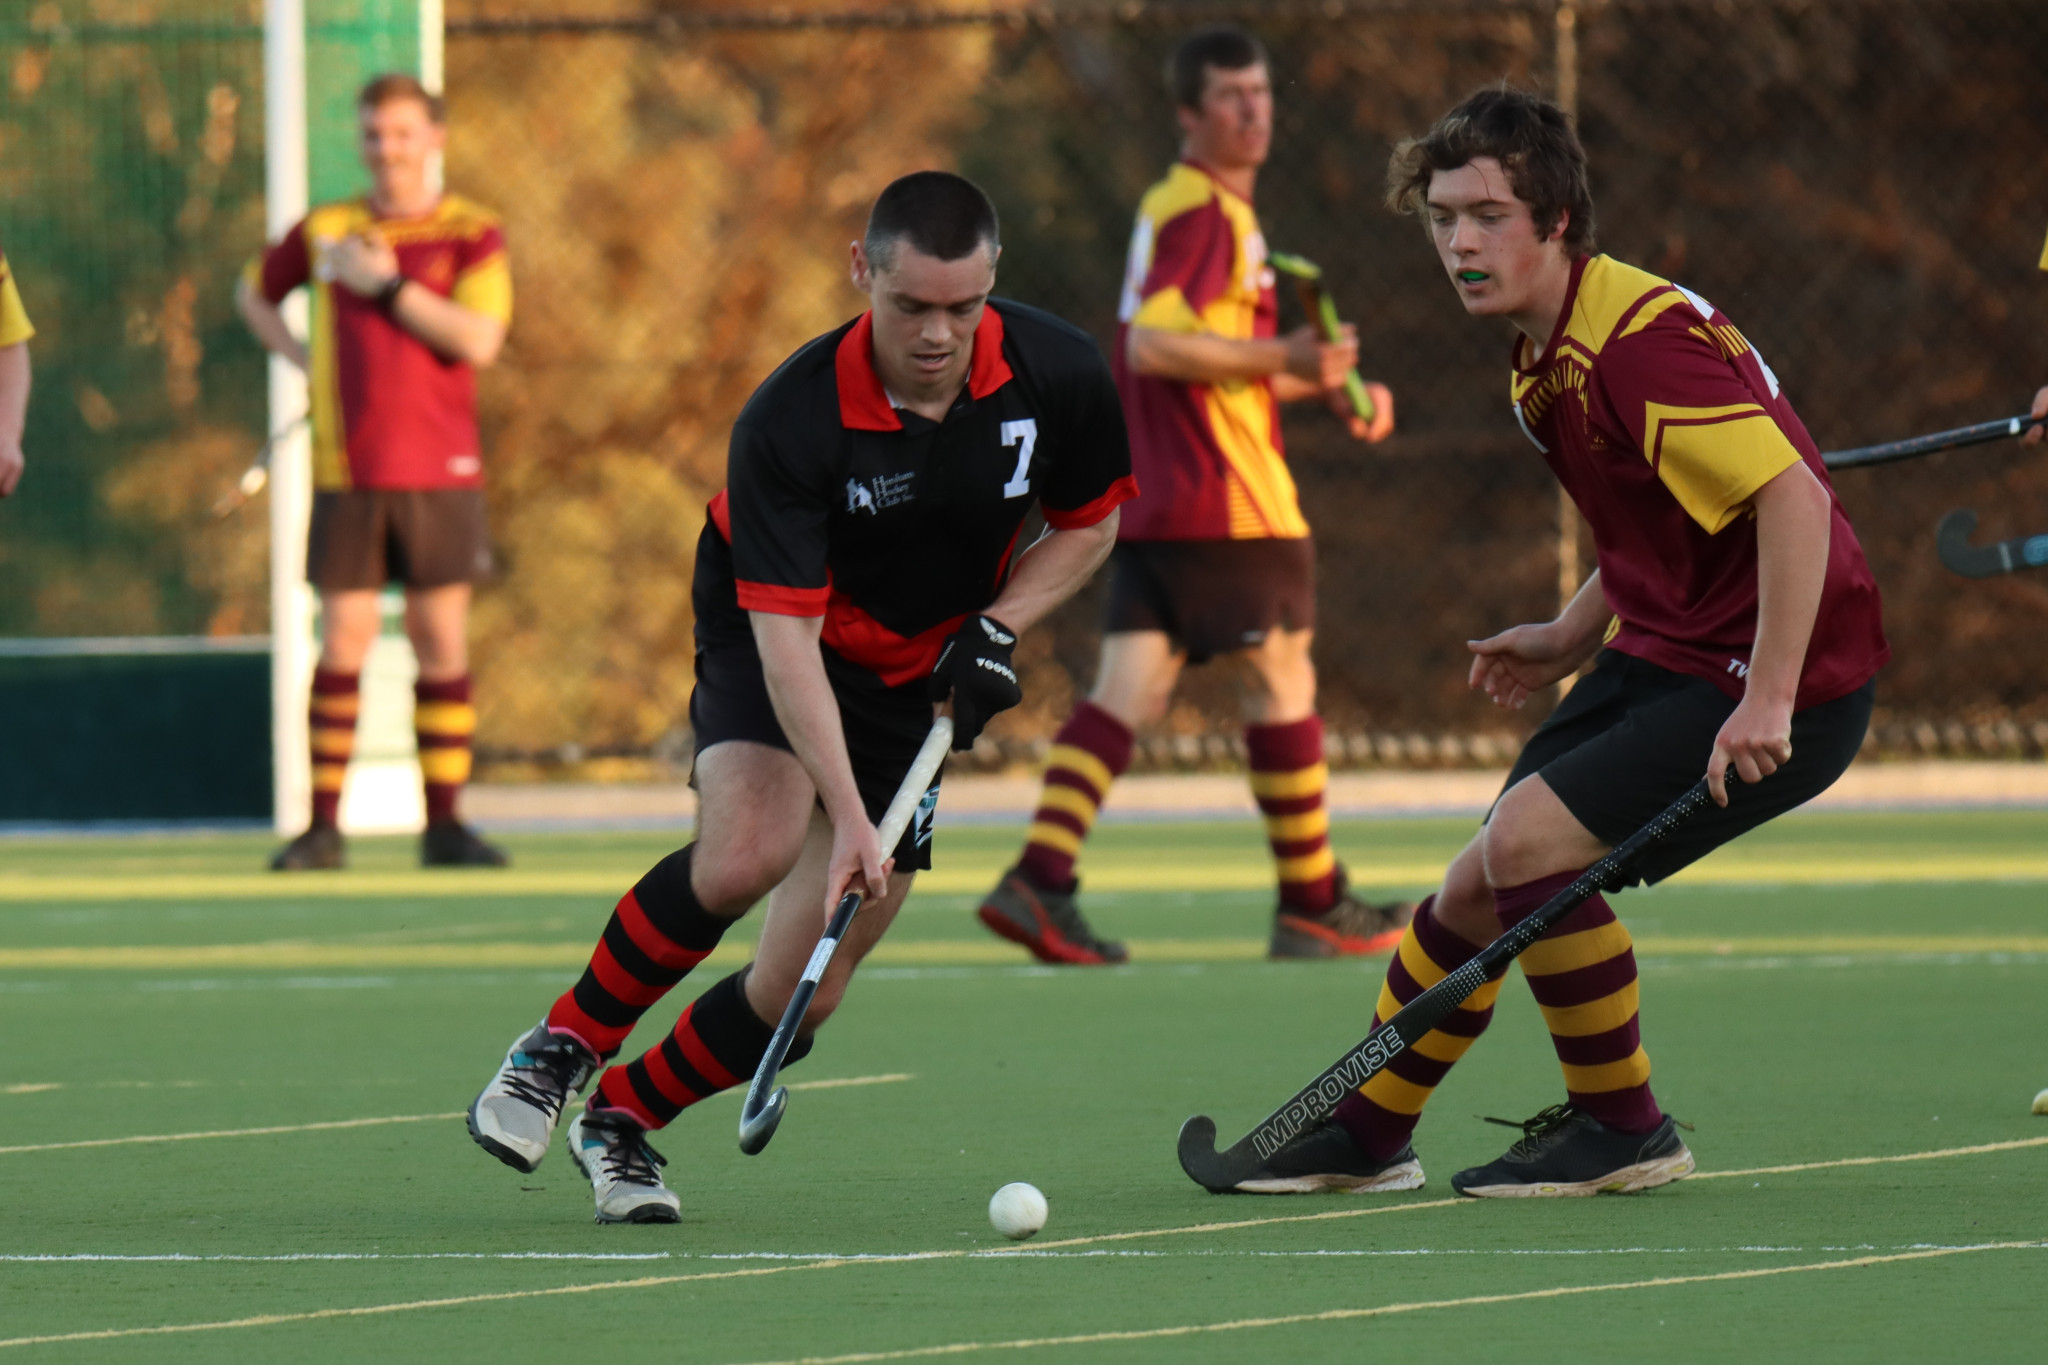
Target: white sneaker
(515, 1116)
(624, 1172)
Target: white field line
(836, 1083)
(1014, 1253)
(1385, 1310)
(1978, 1150)
(962, 1348)
(647, 1282)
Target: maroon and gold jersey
(1209, 456)
(387, 411)
(15, 327)
(1662, 422)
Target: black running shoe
(319, 849)
(1565, 1151)
(1047, 922)
(1328, 1159)
(450, 843)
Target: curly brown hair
(1529, 135)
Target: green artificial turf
(1860, 1039)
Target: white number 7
(1026, 433)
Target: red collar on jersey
(864, 403)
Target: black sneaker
(451, 843)
(1047, 922)
(1565, 1151)
(319, 849)
(1328, 1159)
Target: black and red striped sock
(717, 1044)
(658, 932)
(1583, 975)
(1381, 1115)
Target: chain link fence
(1851, 180)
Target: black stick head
(758, 1125)
(1199, 1158)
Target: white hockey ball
(2041, 1103)
(1017, 1210)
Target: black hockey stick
(1958, 555)
(1219, 1172)
(765, 1102)
(1916, 446)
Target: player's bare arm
(266, 320)
(809, 715)
(14, 387)
(366, 266)
(1051, 571)
(1792, 528)
(1523, 660)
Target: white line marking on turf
(1978, 1150)
(1384, 1310)
(232, 1132)
(833, 1083)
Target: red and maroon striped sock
(1583, 975)
(336, 699)
(1289, 778)
(717, 1044)
(658, 932)
(1381, 1115)
(1089, 753)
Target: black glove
(974, 670)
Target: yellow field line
(1390, 1309)
(1978, 1150)
(1160, 872)
(307, 955)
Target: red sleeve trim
(720, 509)
(781, 601)
(1090, 513)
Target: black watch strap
(387, 297)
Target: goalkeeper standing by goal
(1214, 559)
(411, 296)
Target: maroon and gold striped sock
(445, 723)
(656, 935)
(337, 698)
(717, 1044)
(1288, 781)
(1381, 1114)
(1583, 975)
(1088, 754)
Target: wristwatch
(387, 297)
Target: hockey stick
(1916, 446)
(257, 474)
(1959, 556)
(1320, 307)
(766, 1100)
(1219, 1172)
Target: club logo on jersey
(884, 490)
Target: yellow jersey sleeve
(486, 287)
(15, 327)
(1713, 460)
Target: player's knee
(1465, 904)
(728, 878)
(831, 991)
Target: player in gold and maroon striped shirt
(1732, 622)
(15, 330)
(411, 296)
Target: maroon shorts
(423, 538)
(1212, 596)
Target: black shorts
(1212, 596)
(1631, 737)
(884, 726)
(423, 538)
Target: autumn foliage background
(1852, 180)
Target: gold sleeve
(14, 324)
(1714, 459)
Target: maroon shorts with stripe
(1212, 596)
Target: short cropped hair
(1222, 46)
(938, 213)
(394, 86)
(1533, 140)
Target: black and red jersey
(895, 528)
